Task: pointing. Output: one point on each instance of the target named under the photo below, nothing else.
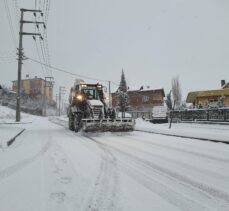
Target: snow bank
(7, 115)
(207, 131)
(8, 127)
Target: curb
(206, 122)
(14, 123)
(14, 138)
(187, 137)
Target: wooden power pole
(21, 56)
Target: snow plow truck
(88, 111)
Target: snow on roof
(207, 93)
(143, 88)
(146, 89)
(30, 79)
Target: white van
(159, 114)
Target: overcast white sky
(152, 40)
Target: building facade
(142, 101)
(214, 98)
(35, 88)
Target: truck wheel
(77, 122)
(71, 122)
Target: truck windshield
(91, 93)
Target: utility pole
(109, 95)
(49, 85)
(61, 91)
(171, 115)
(56, 103)
(21, 56)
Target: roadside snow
(8, 127)
(8, 115)
(207, 131)
(8, 132)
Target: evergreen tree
(122, 95)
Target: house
(35, 88)
(142, 101)
(210, 97)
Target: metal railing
(213, 114)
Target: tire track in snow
(104, 195)
(59, 122)
(177, 162)
(200, 188)
(182, 200)
(63, 182)
(183, 136)
(23, 163)
(183, 151)
(64, 122)
(173, 197)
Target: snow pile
(7, 115)
(206, 131)
(8, 127)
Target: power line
(7, 53)
(39, 7)
(46, 46)
(10, 23)
(43, 56)
(44, 42)
(44, 69)
(78, 75)
(16, 10)
(66, 71)
(39, 57)
(46, 11)
(44, 3)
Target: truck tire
(71, 122)
(77, 122)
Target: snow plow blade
(108, 125)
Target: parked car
(159, 114)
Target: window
(145, 99)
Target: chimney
(223, 82)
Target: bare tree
(168, 101)
(176, 91)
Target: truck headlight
(79, 97)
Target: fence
(214, 115)
(140, 114)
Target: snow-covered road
(51, 168)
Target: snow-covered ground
(207, 131)
(51, 168)
(8, 127)
(7, 115)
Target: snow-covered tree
(176, 91)
(122, 95)
(168, 101)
